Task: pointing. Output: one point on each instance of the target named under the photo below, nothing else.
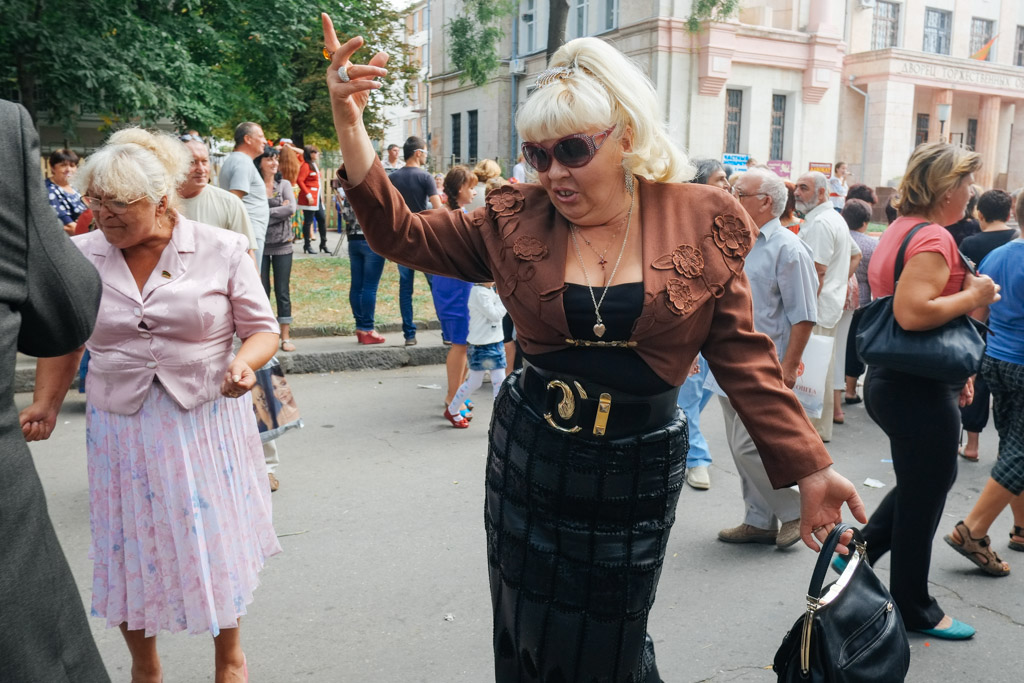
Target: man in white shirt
(238, 175)
(784, 286)
(207, 203)
(391, 161)
(836, 256)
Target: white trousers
(765, 506)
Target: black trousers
(321, 225)
(854, 365)
(282, 267)
(975, 416)
(922, 420)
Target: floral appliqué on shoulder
(731, 235)
(527, 248)
(504, 203)
(688, 261)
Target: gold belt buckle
(566, 405)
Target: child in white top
(486, 350)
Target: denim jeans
(405, 280)
(692, 399)
(362, 294)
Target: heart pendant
(599, 329)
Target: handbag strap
(898, 267)
(825, 558)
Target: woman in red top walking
(309, 198)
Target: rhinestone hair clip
(559, 73)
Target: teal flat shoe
(839, 563)
(958, 631)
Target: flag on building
(982, 54)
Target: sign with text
(783, 169)
(738, 162)
(820, 167)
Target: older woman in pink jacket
(179, 510)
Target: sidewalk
(320, 354)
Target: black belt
(573, 405)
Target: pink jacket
(179, 329)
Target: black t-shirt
(977, 246)
(416, 186)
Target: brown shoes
(745, 533)
(789, 533)
(274, 483)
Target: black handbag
(851, 633)
(950, 353)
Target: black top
(416, 186)
(963, 228)
(617, 368)
(976, 247)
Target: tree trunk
(558, 14)
(27, 88)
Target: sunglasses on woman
(573, 151)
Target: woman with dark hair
(862, 192)
(460, 187)
(310, 201)
(789, 219)
(64, 199)
(857, 214)
(277, 251)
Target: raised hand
(349, 97)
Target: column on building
(935, 128)
(1015, 173)
(890, 130)
(988, 140)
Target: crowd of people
(609, 289)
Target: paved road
(380, 513)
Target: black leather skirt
(576, 536)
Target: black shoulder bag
(950, 353)
(851, 633)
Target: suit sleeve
(437, 241)
(745, 365)
(61, 292)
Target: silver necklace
(599, 327)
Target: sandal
(286, 345)
(977, 550)
(1018, 531)
(963, 454)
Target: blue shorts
(487, 356)
(455, 330)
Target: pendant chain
(573, 229)
(602, 261)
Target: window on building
(457, 138)
(530, 25)
(922, 129)
(578, 18)
(471, 124)
(972, 133)
(885, 25)
(1019, 61)
(610, 15)
(938, 31)
(733, 116)
(778, 126)
(981, 32)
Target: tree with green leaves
(202, 64)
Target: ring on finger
(343, 74)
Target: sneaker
(745, 533)
(274, 483)
(698, 477)
(789, 533)
(410, 341)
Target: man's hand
(790, 373)
(822, 495)
(967, 393)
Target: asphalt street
(383, 576)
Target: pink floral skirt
(180, 514)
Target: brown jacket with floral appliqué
(696, 297)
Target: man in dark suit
(49, 295)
